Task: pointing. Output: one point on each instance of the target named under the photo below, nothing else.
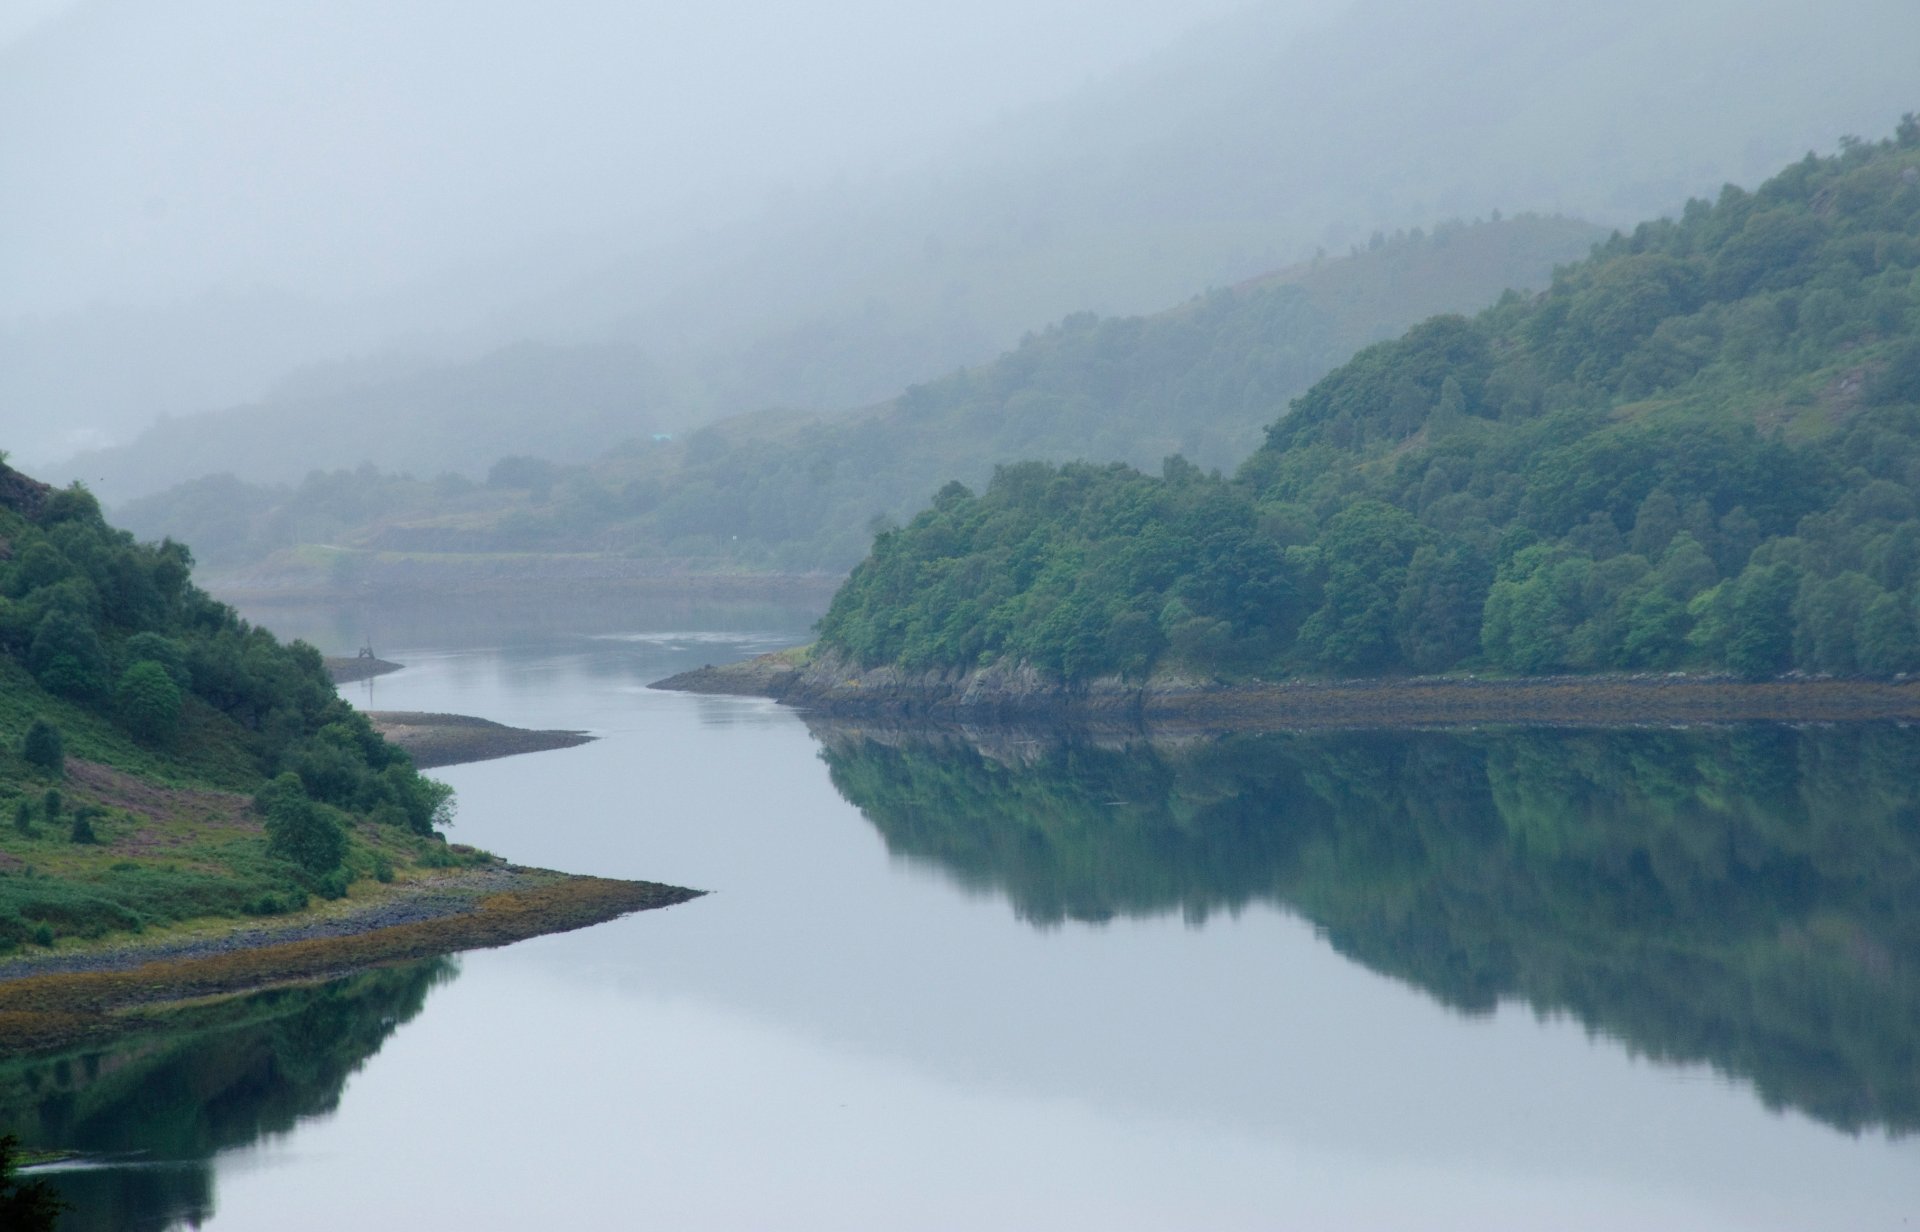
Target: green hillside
(1699, 448)
(160, 759)
(794, 491)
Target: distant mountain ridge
(798, 491)
(1236, 152)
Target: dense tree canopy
(1699, 448)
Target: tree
(152, 647)
(1886, 641)
(300, 831)
(1827, 617)
(25, 1206)
(44, 749)
(148, 701)
(1441, 606)
(1656, 633)
(1762, 638)
(66, 657)
(82, 828)
(1366, 549)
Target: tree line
(1700, 448)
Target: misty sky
(160, 148)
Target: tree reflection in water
(150, 1112)
(1748, 897)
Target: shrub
(23, 816)
(149, 647)
(305, 833)
(148, 701)
(51, 804)
(44, 749)
(82, 830)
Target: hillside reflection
(153, 1110)
(1745, 897)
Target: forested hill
(1699, 448)
(799, 491)
(133, 708)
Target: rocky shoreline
(434, 740)
(825, 685)
(346, 669)
(90, 994)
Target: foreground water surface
(1039, 979)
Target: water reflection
(1747, 897)
(149, 1113)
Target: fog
(162, 150)
(309, 179)
(768, 205)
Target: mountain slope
(1701, 447)
(137, 717)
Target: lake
(1484, 979)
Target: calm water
(1666, 980)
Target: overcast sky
(19, 17)
(158, 148)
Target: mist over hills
(1242, 148)
(794, 490)
(557, 400)
(410, 173)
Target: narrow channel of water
(1347, 981)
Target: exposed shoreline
(434, 740)
(90, 994)
(825, 686)
(346, 669)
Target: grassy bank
(158, 854)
